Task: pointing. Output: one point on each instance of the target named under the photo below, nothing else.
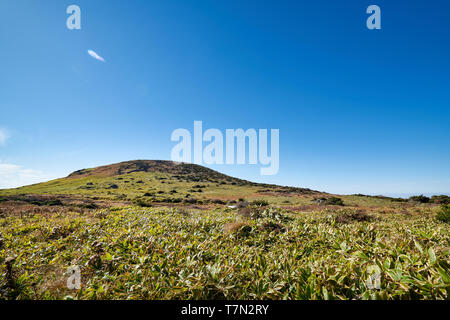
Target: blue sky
(359, 111)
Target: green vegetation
(262, 203)
(143, 203)
(142, 230)
(420, 199)
(162, 253)
(334, 201)
(442, 199)
(444, 213)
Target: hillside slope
(162, 181)
(160, 230)
(186, 171)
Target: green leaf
(432, 255)
(325, 293)
(444, 275)
(418, 246)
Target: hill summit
(158, 181)
(187, 171)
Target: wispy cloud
(94, 55)
(13, 176)
(4, 135)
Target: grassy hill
(163, 230)
(160, 182)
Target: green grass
(158, 187)
(178, 253)
(155, 230)
(443, 213)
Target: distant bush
(218, 201)
(420, 199)
(89, 206)
(242, 203)
(190, 200)
(121, 196)
(444, 213)
(56, 202)
(344, 217)
(142, 203)
(333, 201)
(442, 199)
(398, 199)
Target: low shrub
(442, 199)
(335, 201)
(344, 217)
(89, 206)
(420, 199)
(142, 203)
(190, 200)
(241, 229)
(55, 202)
(444, 213)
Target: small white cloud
(13, 176)
(94, 55)
(3, 136)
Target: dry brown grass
(245, 212)
(235, 227)
(272, 227)
(303, 208)
(353, 216)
